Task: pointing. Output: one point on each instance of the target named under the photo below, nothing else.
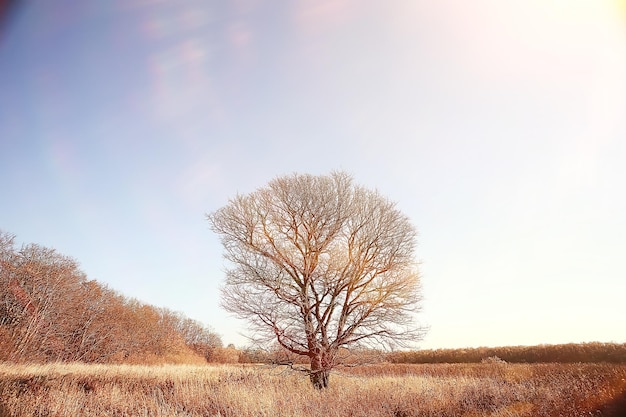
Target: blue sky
(498, 127)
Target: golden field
(377, 390)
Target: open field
(495, 389)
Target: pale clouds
(314, 16)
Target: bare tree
(38, 281)
(50, 311)
(319, 264)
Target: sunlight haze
(498, 127)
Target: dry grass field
(495, 389)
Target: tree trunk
(319, 373)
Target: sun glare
(585, 10)
(620, 6)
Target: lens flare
(620, 6)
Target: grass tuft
(490, 389)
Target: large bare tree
(319, 264)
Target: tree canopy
(319, 264)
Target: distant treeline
(50, 311)
(565, 353)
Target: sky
(498, 128)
